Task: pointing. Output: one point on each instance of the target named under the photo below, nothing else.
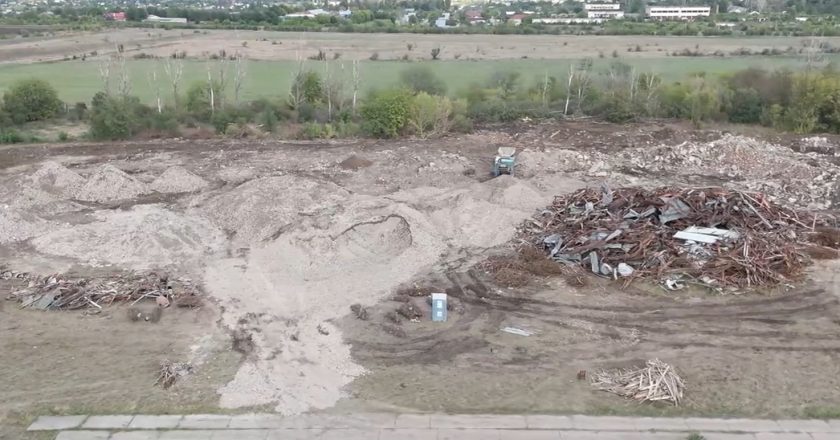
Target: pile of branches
(656, 382)
(57, 292)
(633, 229)
(170, 372)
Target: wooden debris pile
(58, 292)
(656, 382)
(170, 372)
(716, 237)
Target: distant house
(173, 20)
(441, 21)
(516, 19)
(114, 16)
(299, 15)
(737, 10)
(474, 16)
(603, 10)
(678, 12)
(345, 13)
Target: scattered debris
(170, 372)
(393, 317)
(354, 163)
(581, 375)
(656, 382)
(243, 341)
(323, 330)
(517, 331)
(716, 237)
(409, 310)
(152, 315)
(55, 292)
(189, 301)
(359, 311)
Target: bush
(114, 118)
(421, 78)
(745, 106)
(31, 100)
(617, 108)
(11, 136)
(385, 114)
(63, 136)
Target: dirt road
(266, 45)
(285, 237)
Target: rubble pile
(108, 183)
(56, 292)
(715, 237)
(748, 163)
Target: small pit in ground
(385, 238)
(354, 163)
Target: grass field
(78, 81)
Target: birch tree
(238, 77)
(174, 69)
(155, 86)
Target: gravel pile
(178, 180)
(57, 179)
(19, 226)
(108, 183)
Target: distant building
(603, 10)
(516, 19)
(173, 20)
(345, 13)
(114, 16)
(678, 12)
(474, 16)
(407, 14)
(441, 21)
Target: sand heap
(178, 180)
(291, 287)
(108, 183)
(264, 207)
(147, 236)
(55, 178)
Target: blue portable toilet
(438, 307)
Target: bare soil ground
(266, 45)
(285, 237)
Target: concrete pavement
(380, 426)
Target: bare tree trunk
(223, 79)
(105, 74)
(239, 77)
(153, 83)
(174, 69)
(545, 89)
(212, 92)
(356, 79)
(569, 89)
(328, 89)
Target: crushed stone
(108, 183)
(52, 177)
(17, 226)
(178, 179)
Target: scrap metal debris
(656, 382)
(54, 292)
(717, 237)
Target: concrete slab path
(380, 426)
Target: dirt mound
(377, 239)
(146, 236)
(55, 178)
(264, 208)
(19, 226)
(177, 180)
(108, 183)
(354, 163)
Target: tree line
(325, 100)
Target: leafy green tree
(421, 78)
(31, 100)
(385, 114)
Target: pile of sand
(18, 226)
(263, 208)
(55, 178)
(108, 183)
(312, 272)
(177, 180)
(146, 236)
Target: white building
(603, 10)
(678, 12)
(156, 19)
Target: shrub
(617, 108)
(63, 136)
(421, 78)
(31, 100)
(745, 106)
(223, 118)
(385, 114)
(307, 88)
(11, 136)
(114, 118)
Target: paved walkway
(375, 426)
